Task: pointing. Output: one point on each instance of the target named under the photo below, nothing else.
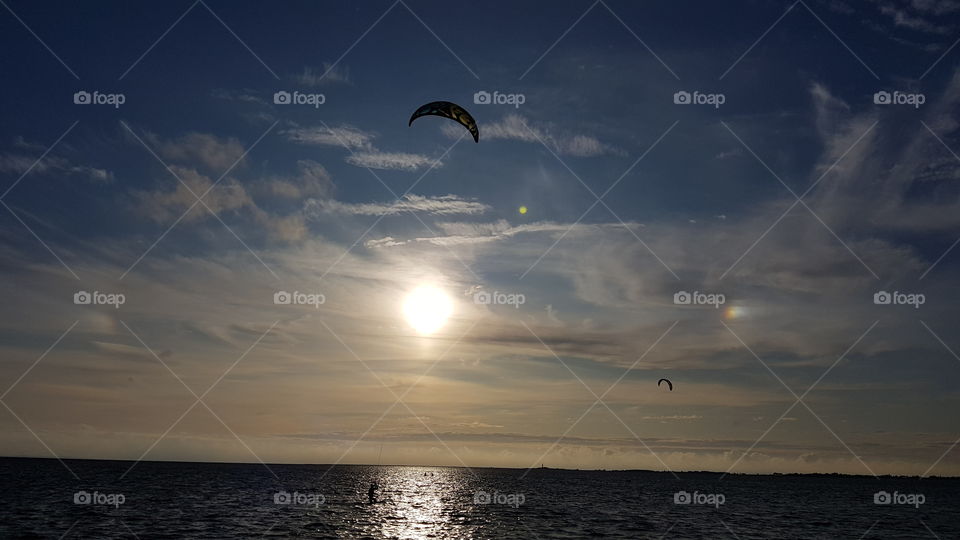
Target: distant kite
(449, 110)
(670, 384)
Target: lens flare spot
(734, 312)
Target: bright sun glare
(427, 309)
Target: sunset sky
(797, 198)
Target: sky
(757, 202)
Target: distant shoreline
(646, 471)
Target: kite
(670, 384)
(449, 110)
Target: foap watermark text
(504, 499)
(296, 97)
(99, 499)
(97, 298)
(483, 97)
(896, 498)
(899, 98)
(699, 298)
(497, 298)
(96, 97)
(703, 499)
(286, 498)
(683, 97)
(897, 298)
(297, 298)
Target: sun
(427, 309)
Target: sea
(47, 498)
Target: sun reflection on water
(422, 502)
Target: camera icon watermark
(707, 499)
(285, 498)
(101, 499)
(83, 97)
(697, 298)
(899, 98)
(505, 499)
(886, 498)
(497, 298)
(482, 97)
(297, 298)
(897, 298)
(97, 298)
(282, 97)
(682, 97)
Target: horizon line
(332, 465)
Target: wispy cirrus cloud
(440, 206)
(360, 144)
(19, 164)
(228, 197)
(312, 180)
(208, 150)
(243, 96)
(329, 74)
(463, 233)
(340, 136)
(392, 160)
(166, 205)
(916, 18)
(517, 128)
(264, 201)
(387, 241)
(130, 351)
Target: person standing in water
(372, 493)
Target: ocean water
(41, 499)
